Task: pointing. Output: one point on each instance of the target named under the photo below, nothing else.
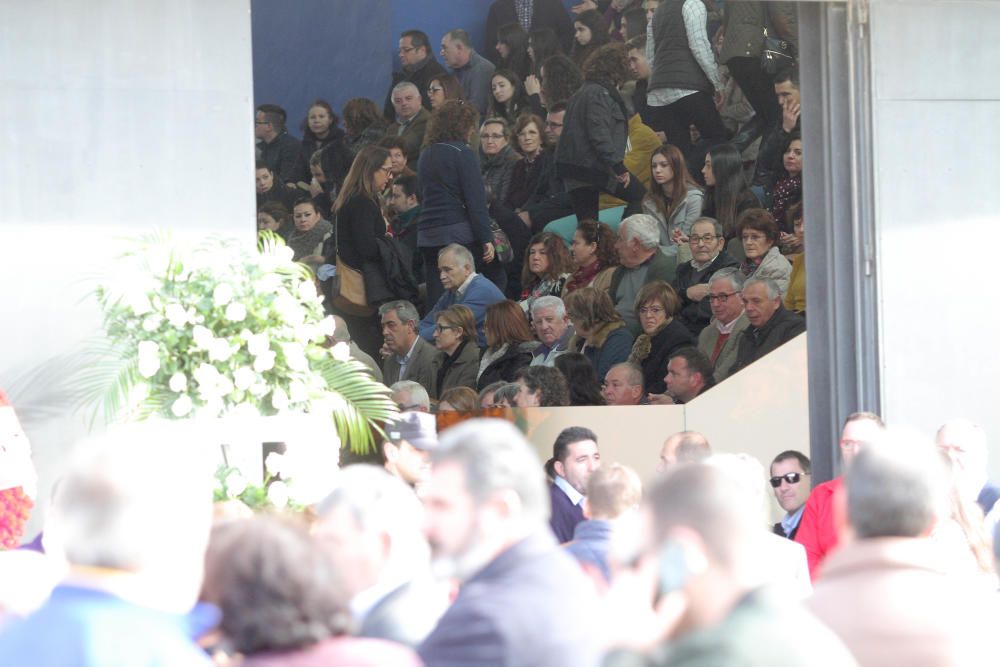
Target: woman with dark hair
(442, 88)
(785, 188)
(457, 363)
(591, 151)
(601, 334)
(795, 297)
(542, 43)
(309, 233)
(590, 32)
(726, 191)
(540, 387)
(274, 216)
(674, 199)
(497, 158)
(282, 602)
(759, 233)
(321, 132)
(358, 222)
(584, 389)
(364, 123)
(546, 269)
(656, 304)
(560, 78)
(509, 343)
(458, 399)
(508, 99)
(453, 197)
(512, 45)
(594, 256)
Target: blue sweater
(452, 197)
(565, 515)
(480, 294)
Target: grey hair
(732, 274)
(896, 487)
(491, 389)
(418, 395)
(403, 85)
(633, 374)
(495, 457)
(506, 393)
(405, 311)
(382, 503)
(553, 302)
(642, 227)
(719, 231)
(496, 120)
(460, 253)
(772, 287)
(460, 36)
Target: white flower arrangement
(200, 331)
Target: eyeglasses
(491, 137)
(707, 238)
(435, 89)
(756, 238)
(549, 123)
(441, 328)
(387, 170)
(720, 297)
(790, 477)
(262, 122)
(407, 49)
(650, 310)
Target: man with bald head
(683, 447)
(623, 384)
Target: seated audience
(727, 194)
(398, 159)
(590, 32)
(601, 334)
(720, 340)
(623, 385)
(418, 68)
(458, 354)
(444, 88)
(405, 205)
(520, 596)
(575, 456)
(468, 67)
(278, 149)
(633, 23)
(487, 395)
(411, 119)
(551, 325)
(542, 43)
(540, 387)
(281, 599)
(321, 132)
(409, 440)
(410, 396)
(689, 374)
(370, 528)
(342, 334)
(892, 590)
(463, 286)
(683, 447)
(508, 99)
(458, 399)
(135, 550)
(708, 255)
(311, 231)
(759, 233)
(271, 188)
(655, 307)
(546, 269)
(786, 120)
(795, 297)
(674, 198)
(641, 263)
(771, 324)
(496, 159)
(786, 186)
(790, 472)
(364, 125)
(276, 218)
(512, 47)
(506, 396)
(593, 255)
(509, 344)
(584, 389)
(409, 357)
(612, 492)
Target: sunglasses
(791, 478)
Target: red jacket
(817, 529)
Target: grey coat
(420, 369)
(744, 26)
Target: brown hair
(452, 121)
(463, 399)
(506, 323)
(555, 249)
(593, 231)
(359, 114)
(361, 178)
(661, 292)
(523, 121)
(452, 87)
(608, 64)
(590, 307)
(459, 316)
(667, 202)
(759, 220)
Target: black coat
(546, 14)
(420, 77)
(654, 367)
(783, 326)
(695, 315)
(514, 359)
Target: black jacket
(546, 14)
(783, 326)
(281, 155)
(595, 130)
(421, 77)
(514, 359)
(654, 367)
(695, 315)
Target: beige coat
(727, 357)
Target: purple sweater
(565, 515)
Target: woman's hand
(624, 179)
(532, 85)
(584, 6)
(488, 252)
(789, 243)
(315, 188)
(525, 217)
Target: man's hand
(679, 237)
(790, 115)
(532, 85)
(525, 218)
(584, 6)
(315, 188)
(660, 399)
(697, 292)
(488, 252)
(624, 179)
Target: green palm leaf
(366, 403)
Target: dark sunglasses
(791, 478)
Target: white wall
(119, 117)
(937, 151)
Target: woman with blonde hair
(601, 333)
(656, 304)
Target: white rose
(235, 484)
(277, 494)
(284, 253)
(341, 351)
(297, 392)
(258, 344)
(206, 375)
(182, 406)
(224, 386)
(245, 334)
(176, 315)
(178, 382)
(149, 358)
(258, 389)
(138, 301)
(220, 350)
(152, 323)
(243, 377)
(268, 284)
(307, 290)
(202, 336)
(274, 463)
(222, 294)
(289, 310)
(279, 399)
(327, 325)
(264, 361)
(236, 312)
(295, 356)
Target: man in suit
(638, 247)
(720, 339)
(410, 356)
(522, 600)
(771, 324)
(370, 526)
(462, 285)
(418, 66)
(411, 119)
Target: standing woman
(591, 151)
(358, 222)
(321, 132)
(590, 32)
(512, 45)
(726, 191)
(594, 256)
(546, 269)
(674, 199)
(453, 196)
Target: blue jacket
(453, 197)
(590, 544)
(530, 607)
(480, 294)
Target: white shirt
(405, 361)
(574, 496)
(727, 328)
(464, 286)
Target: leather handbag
(778, 54)
(350, 296)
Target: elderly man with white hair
(552, 328)
(411, 118)
(642, 262)
(462, 285)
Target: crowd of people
(456, 226)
